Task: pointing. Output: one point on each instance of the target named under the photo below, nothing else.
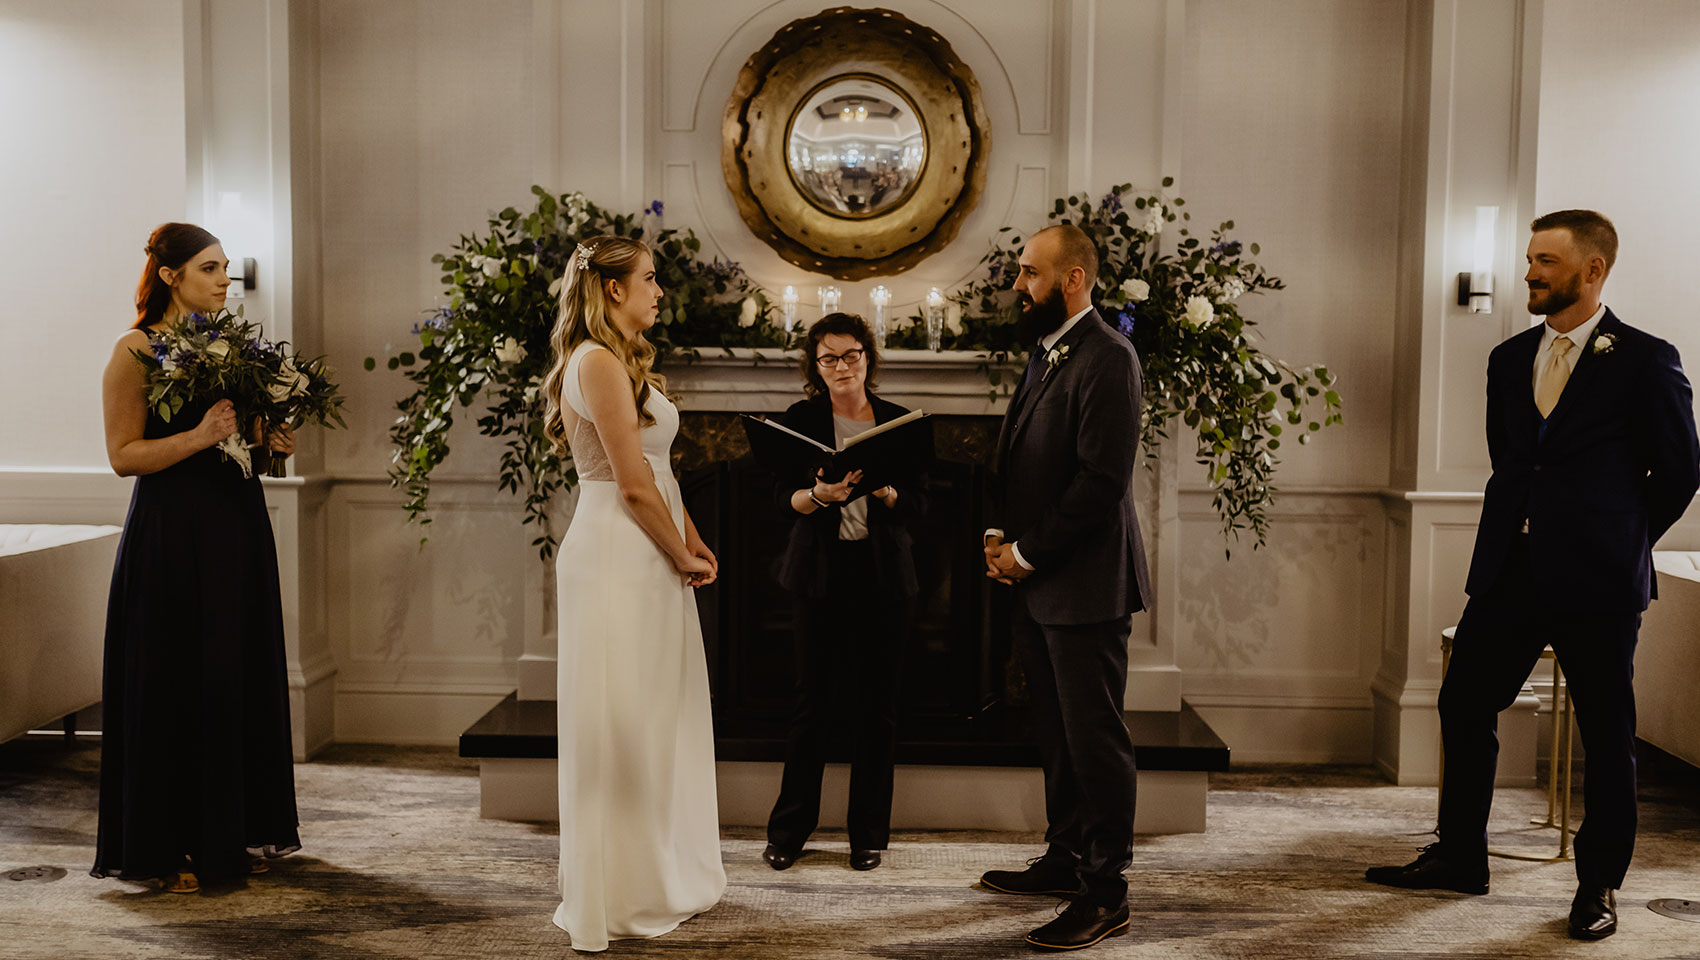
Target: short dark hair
(1591, 231)
(849, 325)
(1075, 249)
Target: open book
(896, 449)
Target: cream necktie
(1554, 377)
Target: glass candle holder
(829, 300)
(788, 307)
(880, 297)
(934, 315)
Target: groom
(1070, 545)
(1590, 429)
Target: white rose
(531, 394)
(1199, 312)
(279, 390)
(747, 312)
(1136, 290)
(1153, 221)
(218, 349)
(1602, 343)
(953, 317)
(510, 351)
(302, 382)
(492, 267)
(1232, 289)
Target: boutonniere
(1605, 342)
(1053, 359)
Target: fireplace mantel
(746, 380)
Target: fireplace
(956, 671)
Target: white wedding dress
(640, 823)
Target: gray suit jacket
(1063, 481)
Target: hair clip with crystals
(582, 255)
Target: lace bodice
(589, 456)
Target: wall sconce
(1475, 288)
(242, 275)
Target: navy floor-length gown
(195, 751)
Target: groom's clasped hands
(1001, 564)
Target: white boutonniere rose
(1136, 290)
(1604, 343)
(510, 351)
(1199, 312)
(1054, 358)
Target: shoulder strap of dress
(575, 395)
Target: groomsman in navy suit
(1590, 428)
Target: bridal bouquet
(223, 356)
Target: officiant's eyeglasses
(850, 357)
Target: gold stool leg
(1569, 753)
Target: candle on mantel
(935, 320)
(829, 299)
(788, 305)
(880, 297)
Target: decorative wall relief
(854, 143)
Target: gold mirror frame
(776, 81)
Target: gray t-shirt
(853, 517)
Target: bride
(640, 831)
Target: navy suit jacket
(1613, 466)
(1063, 481)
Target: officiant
(850, 568)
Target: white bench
(54, 580)
(1667, 659)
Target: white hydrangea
(1232, 289)
(1153, 221)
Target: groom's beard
(1547, 299)
(1039, 317)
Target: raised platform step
(984, 786)
(525, 729)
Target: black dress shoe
(864, 859)
(778, 857)
(1593, 914)
(1043, 877)
(1433, 870)
(1081, 925)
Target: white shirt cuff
(992, 532)
(1015, 548)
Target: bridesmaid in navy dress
(196, 774)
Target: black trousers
(1076, 678)
(1499, 640)
(849, 650)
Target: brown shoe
(1044, 877)
(1081, 925)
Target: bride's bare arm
(608, 392)
(123, 394)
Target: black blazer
(1063, 484)
(802, 568)
(1615, 465)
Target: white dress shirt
(1046, 342)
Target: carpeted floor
(398, 865)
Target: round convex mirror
(856, 147)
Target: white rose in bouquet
(1136, 290)
(747, 312)
(492, 267)
(1199, 312)
(218, 349)
(510, 351)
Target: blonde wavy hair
(584, 315)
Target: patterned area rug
(397, 864)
